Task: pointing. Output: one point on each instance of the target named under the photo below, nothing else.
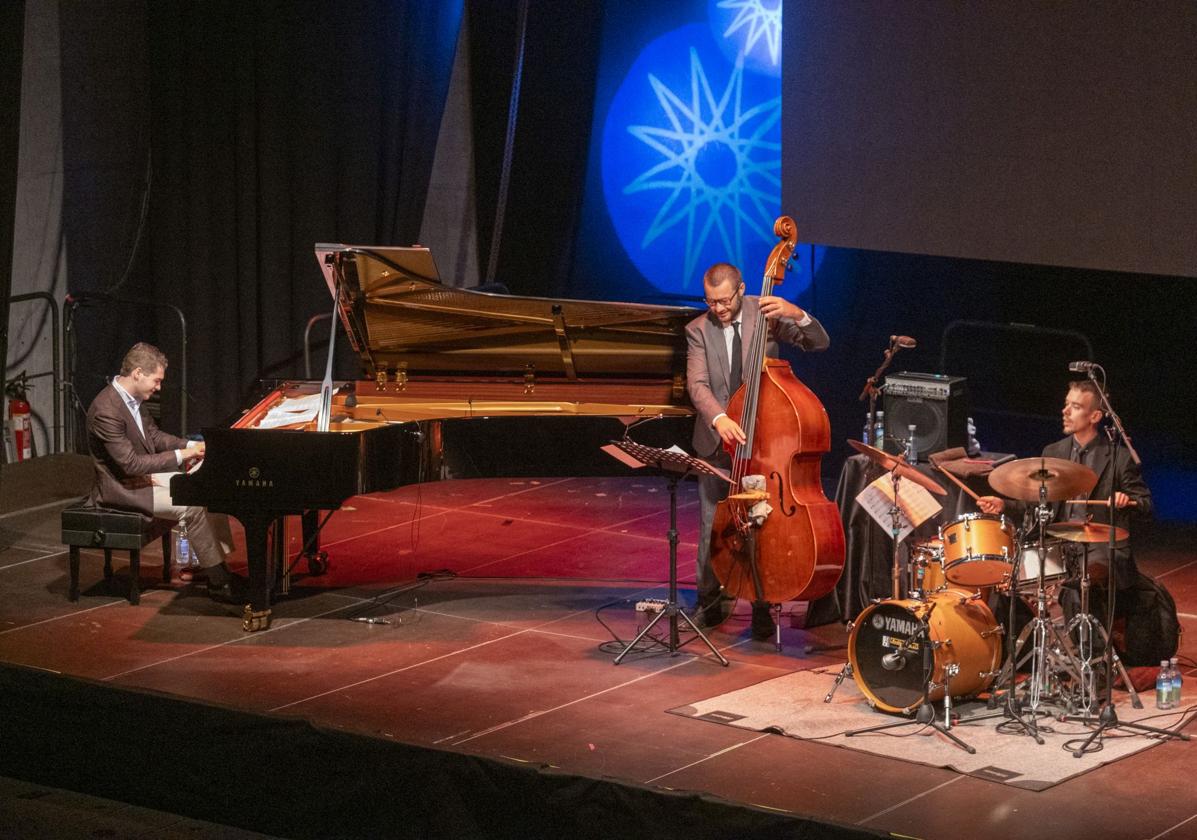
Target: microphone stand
(1108, 717)
(871, 390)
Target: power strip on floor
(650, 605)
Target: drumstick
(1098, 502)
(959, 483)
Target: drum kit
(946, 620)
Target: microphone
(1082, 367)
(903, 341)
(893, 661)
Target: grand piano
(459, 384)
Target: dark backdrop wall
(263, 128)
(11, 25)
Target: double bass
(796, 551)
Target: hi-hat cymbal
(1086, 532)
(1022, 479)
(897, 464)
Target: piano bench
(113, 530)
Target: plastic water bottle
(1177, 682)
(879, 430)
(183, 557)
(912, 448)
(1163, 687)
(974, 445)
(867, 435)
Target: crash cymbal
(1063, 479)
(1086, 532)
(897, 464)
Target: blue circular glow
(751, 28)
(691, 161)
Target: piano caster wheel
(252, 621)
(318, 563)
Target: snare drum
(926, 559)
(886, 651)
(978, 549)
(1055, 562)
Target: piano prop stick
(326, 387)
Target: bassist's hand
(729, 430)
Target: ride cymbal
(1022, 479)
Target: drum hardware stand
(925, 716)
(674, 466)
(895, 516)
(1108, 717)
(1039, 627)
(1087, 626)
(846, 671)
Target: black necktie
(737, 372)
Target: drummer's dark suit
(1121, 474)
(1098, 456)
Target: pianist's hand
(193, 452)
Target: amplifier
(934, 404)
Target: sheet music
(915, 504)
(291, 410)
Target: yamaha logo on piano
(254, 480)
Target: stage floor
(495, 605)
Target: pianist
(716, 342)
(133, 461)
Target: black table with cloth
(868, 554)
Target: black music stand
(674, 465)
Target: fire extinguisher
(19, 413)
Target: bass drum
(886, 648)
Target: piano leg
(256, 615)
(317, 559)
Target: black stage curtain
(12, 38)
(274, 126)
(553, 125)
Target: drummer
(1085, 444)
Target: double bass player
(717, 345)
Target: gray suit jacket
(707, 371)
(123, 459)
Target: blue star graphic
(718, 173)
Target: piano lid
(399, 316)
